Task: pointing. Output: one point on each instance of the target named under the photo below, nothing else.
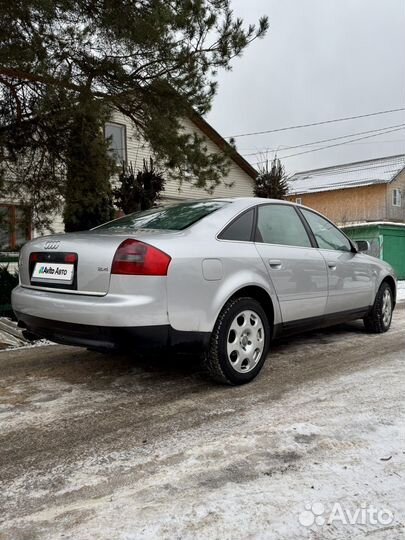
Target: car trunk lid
(74, 263)
(79, 263)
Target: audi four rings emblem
(52, 245)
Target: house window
(396, 197)
(116, 134)
(298, 200)
(15, 227)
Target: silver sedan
(221, 276)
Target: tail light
(137, 258)
(70, 257)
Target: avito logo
(49, 270)
(46, 270)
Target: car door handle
(332, 265)
(275, 264)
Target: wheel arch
(391, 282)
(259, 294)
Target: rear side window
(240, 229)
(280, 224)
(175, 218)
(327, 235)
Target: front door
(297, 269)
(350, 275)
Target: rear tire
(239, 342)
(380, 316)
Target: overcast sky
(320, 60)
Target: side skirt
(312, 323)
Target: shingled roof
(350, 175)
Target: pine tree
(271, 182)
(155, 61)
(88, 200)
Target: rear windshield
(175, 218)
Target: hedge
(8, 281)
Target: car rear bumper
(147, 307)
(137, 338)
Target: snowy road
(95, 447)
(401, 291)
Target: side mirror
(363, 245)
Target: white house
(131, 148)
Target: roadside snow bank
(401, 291)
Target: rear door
(297, 269)
(351, 277)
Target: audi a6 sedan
(222, 276)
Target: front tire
(239, 342)
(380, 316)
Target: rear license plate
(53, 272)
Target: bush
(7, 283)
(141, 190)
(271, 182)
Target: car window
(240, 229)
(175, 218)
(327, 235)
(280, 224)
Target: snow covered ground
(401, 291)
(98, 447)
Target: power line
(380, 162)
(391, 173)
(337, 144)
(380, 142)
(326, 140)
(299, 126)
(397, 161)
(390, 168)
(361, 165)
(279, 149)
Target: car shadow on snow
(123, 370)
(290, 357)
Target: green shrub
(7, 283)
(139, 190)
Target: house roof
(358, 224)
(216, 138)
(350, 175)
